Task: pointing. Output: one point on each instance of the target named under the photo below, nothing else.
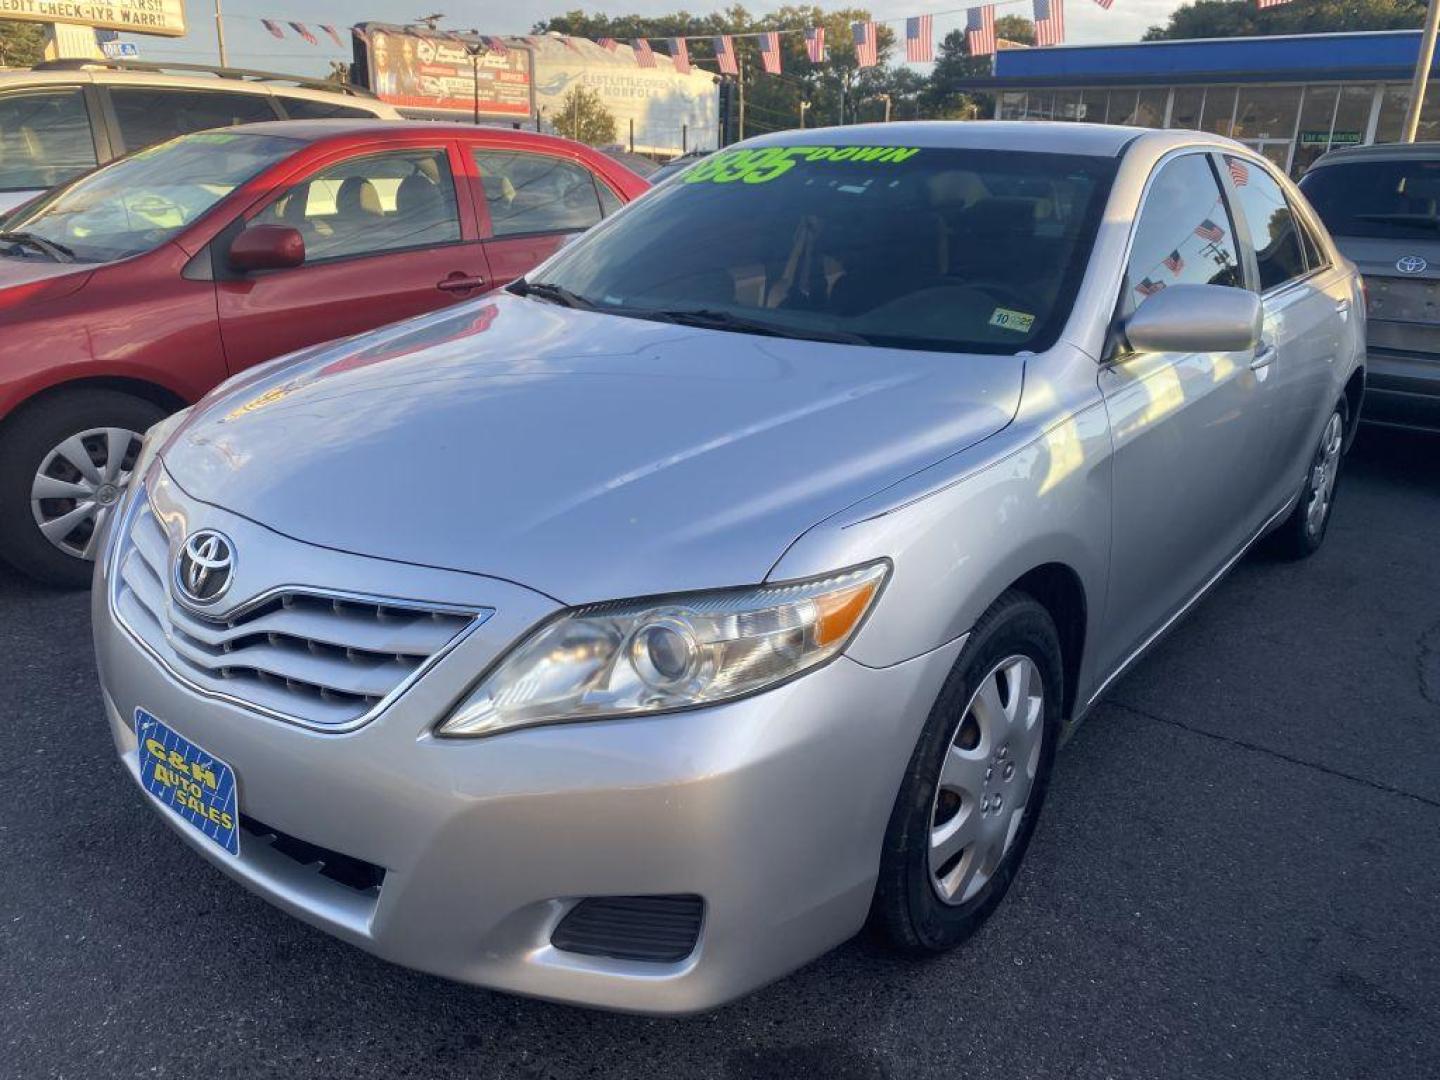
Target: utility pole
(1422, 72)
(804, 108)
(220, 34)
(740, 79)
(885, 98)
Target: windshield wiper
(556, 294)
(712, 319)
(58, 252)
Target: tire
(1302, 533)
(34, 440)
(909, 910)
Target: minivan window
(1183, 235)
(44, 138)
(1274, 231)
(1388, 200)
(139, 202)
(297, 108)
(152, 114)
(909, 247)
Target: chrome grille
(322, 660)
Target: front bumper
(772, 809)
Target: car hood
(583, 455)
(34, 275)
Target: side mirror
(1196, 319)
(267, 247)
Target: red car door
(532, 201)
(388, 234)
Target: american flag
(300, 28)
(680, 54)
(1105, 3)
(608, 43)
(1049, 22)
(770, 52)
(725, 53)
(334, 34)
(920, 38)
(815, 44)
(273, 27)
(1208, 231)
(980, 30)
(1239, 171)
(866, 52)
(496, 45)
(1174, 263)
(644, 55)
(1148, 287)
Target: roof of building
(1381, 54)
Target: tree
(582, 116)
(954, 64)
(1241, 18)
(21, 43)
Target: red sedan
(132, 291)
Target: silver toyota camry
(634, 635)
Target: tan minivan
(63, 117)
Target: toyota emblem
(204, 567)
(1410, 264)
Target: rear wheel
(1304, 530)
(65, 462)
(977, 779)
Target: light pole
(1422, 72)
(804, 108)
(885, 98)
(220, 34)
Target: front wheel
(969, 802)
(1304, 530)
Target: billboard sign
(163, 17)
(414, 70)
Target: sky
(249, 44)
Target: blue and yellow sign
(196, 785)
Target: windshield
(1396, 200)
(141, 201)
(960, 250)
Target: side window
(532, 193)
(1273, 228)
(1315, 256)
(297, 108)
(609, 201)
(382, 202)
(149, 115)
(1183, 236)
(44, 138)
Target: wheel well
(1354, 395)
(1057, 588)
(146, 391)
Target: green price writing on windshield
(766, 163)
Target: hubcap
(1323, 472)
(77, 484)
(986, 779)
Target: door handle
(458, 282)
(1264, 357)
(1342, 307)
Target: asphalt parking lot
(1237, 875)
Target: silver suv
(631, 636)
(1382, 206)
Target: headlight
(154, 439)
(647, 656)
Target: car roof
(1056, 137)
(1421, 151)
(347, 127)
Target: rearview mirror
(267, 247)
(1196, 319)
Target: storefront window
(1041, 106)
(1012, 105)
(1219, 106)
(1092, 106)
(1186, 108)
(1392, 116)
(1122, 106)
(1067, 104)
(1267, 112)
(1150, 109)
(1314, 139)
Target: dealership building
(1291, 98)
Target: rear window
(297, 108)
(959, 250)
(1398, 200)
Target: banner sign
(424, 71)
(165, 18)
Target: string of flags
(1048, 17)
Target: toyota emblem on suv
(204, 566)
(1410, 264)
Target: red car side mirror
(267, 247)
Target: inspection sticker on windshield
(197, 786)
(1019, 321)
